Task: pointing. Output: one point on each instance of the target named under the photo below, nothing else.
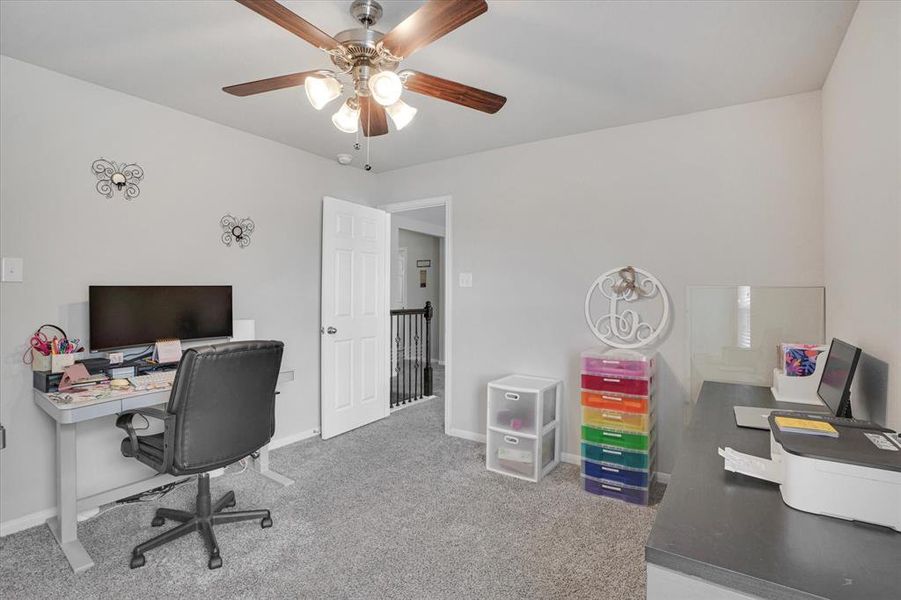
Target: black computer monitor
(835, 386)
(123, 316)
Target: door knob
(331, 331)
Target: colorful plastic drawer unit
(614, 419)
(616, 456)
(613, 401)
(617, 363)
(620, 492)
(620, 385)
(615, 474)
(619, 439)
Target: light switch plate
(12, 269)
(465, 279)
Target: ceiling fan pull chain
(368, 165)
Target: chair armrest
(124, 421)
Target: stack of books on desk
(618, 419)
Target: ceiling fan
(370, 58)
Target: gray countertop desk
(726, 535)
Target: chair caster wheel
(266, 522)
(215, 562)
(158, 522)
(137, 560)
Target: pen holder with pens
(55, 363)
(51, 354)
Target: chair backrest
(223, 398)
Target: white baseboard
(573, 459)
(472, 436)
(293, 438)
(26, 521)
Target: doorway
(421, 245)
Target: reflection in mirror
(735, 331)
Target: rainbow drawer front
(614, 419)
(614, 401)
(620, 385)
(618, 457)
(635, 495)
(616, 475)
(618, 439)
(598, 365)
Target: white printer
(856, 476)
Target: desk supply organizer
(799, 374)
(618, 424)
(523, 426)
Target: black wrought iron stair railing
(411, 354)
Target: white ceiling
(434, 215)
(565, 67)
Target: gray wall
(727, 196)
(424, 247)
(862, 207)
(54, 127)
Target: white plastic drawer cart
(524, 426)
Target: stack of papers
(806, 426)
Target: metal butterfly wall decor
(236, 230)
(121, 177)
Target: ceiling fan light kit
(386, 87)
(347, 117)
(322, 89)
(401, 114)
(370, 59)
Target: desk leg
(262, 465)
(64, 526)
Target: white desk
(64, 526)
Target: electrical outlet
(465, 279)
(12, 269)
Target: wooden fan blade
(268, 85)
(373, 119)
(451, 91)
(431, 21)
(283, 17)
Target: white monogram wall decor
(622, 326)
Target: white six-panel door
(355, 312)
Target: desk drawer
(615, 474)
(614, 419)
(616, 456)
(613, 401)
(618, 439)
(620, 385)
(634, 495)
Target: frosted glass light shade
(347, 118)
(321, 90)
(401, 113)
(385, 87)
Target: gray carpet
(392, 510)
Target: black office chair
(222, 409)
